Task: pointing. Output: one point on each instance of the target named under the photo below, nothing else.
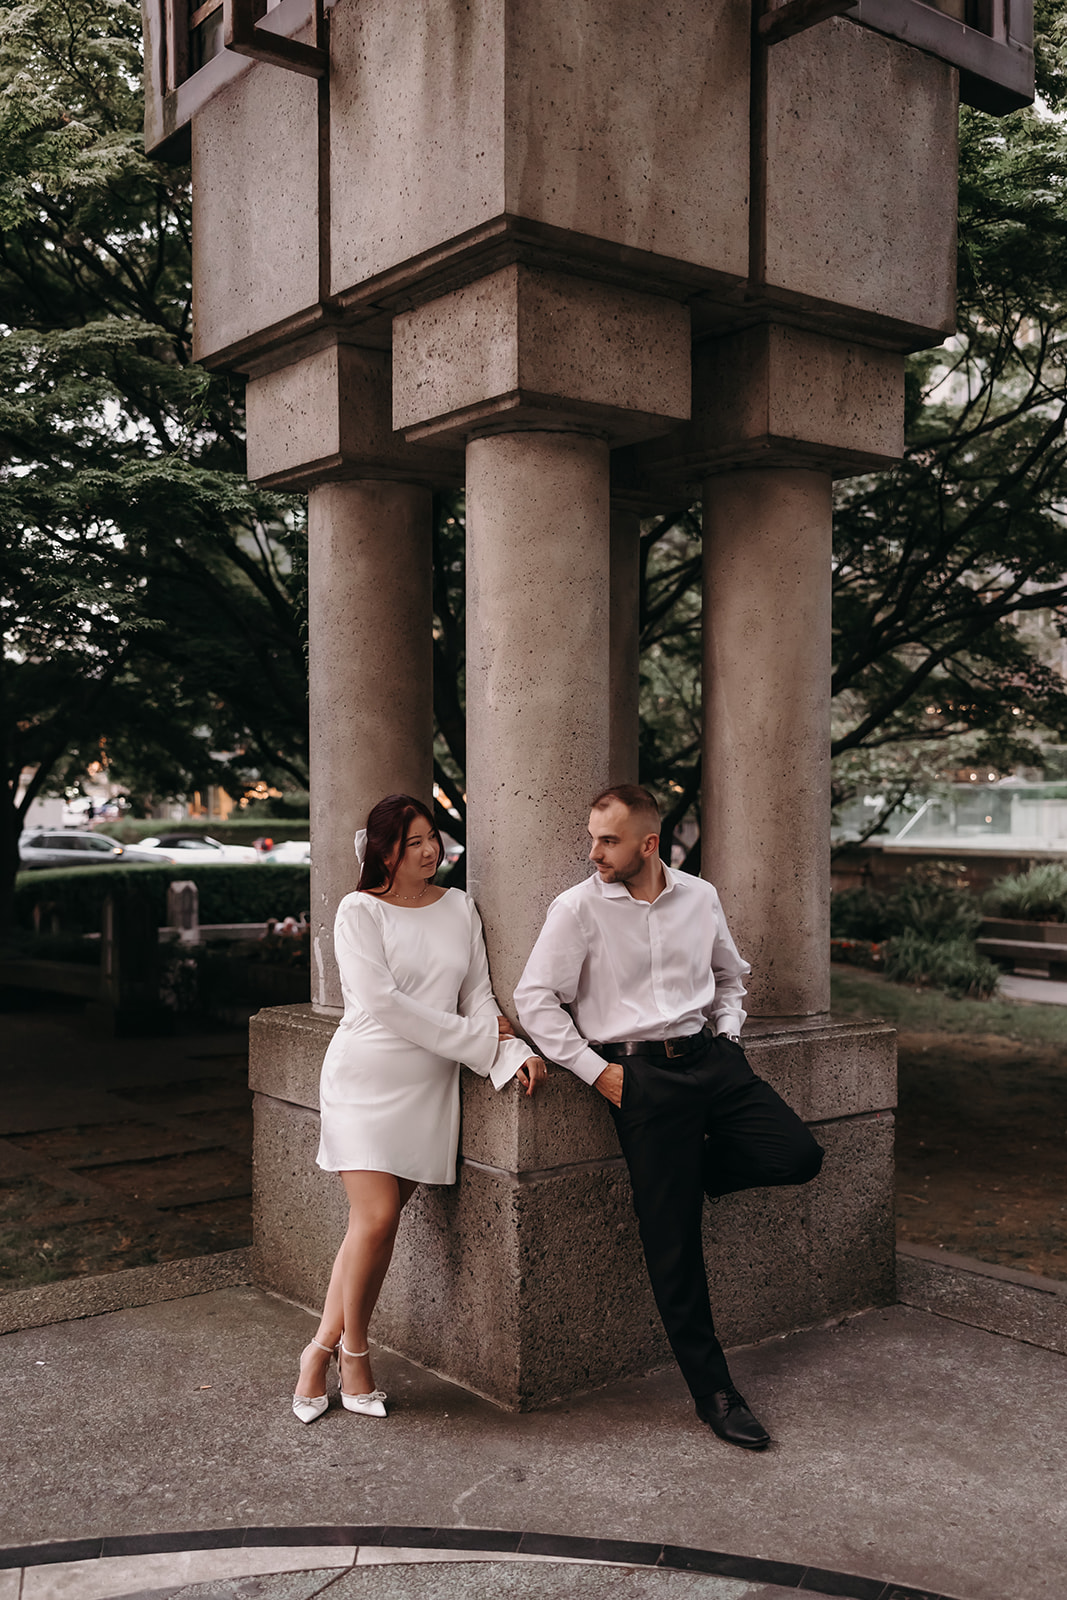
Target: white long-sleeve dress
(418, 1002)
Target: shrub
(239, 829)
(927, 901)
(933, 905)
(228, 892)
(1039, 895)
(951, 964)
(860, 914)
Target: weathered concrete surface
(893, 1457)
(646, 148)
(525, 346)
(117, 1291)
(430, 159)
(1019, 1304)
(370, 671)
(536, 1245)
(255, 159)
(781, 396)
(538, 663)
(825, 1069)
(565, 119)
(367, 1573)
(767, 548)
(861, 177)
(480, 130)
(329, 414)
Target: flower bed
(858, 953)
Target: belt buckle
(675, 1048)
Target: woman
(417, 1002)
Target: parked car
(288, 853)
(190, 847)
(70, 849)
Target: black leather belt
(671, 1048)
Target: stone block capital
(327, 415)
(774, 395)
(526, 348)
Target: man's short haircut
(637, 800)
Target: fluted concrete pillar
(371, 685)
(765, 826)
(625, 636)
(538, 672)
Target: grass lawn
(867, 994)
(981, 1120)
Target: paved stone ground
(117, 1154)
(1014, 986)
(910, 1450)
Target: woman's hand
(504, 1029)
(531, 1073)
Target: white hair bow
(361, 846)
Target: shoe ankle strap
(355, 1354)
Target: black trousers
(701, 1124)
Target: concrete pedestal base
(524, 1286)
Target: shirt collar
(619, 891)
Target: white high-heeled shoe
(368, 1405)
(308, 1407)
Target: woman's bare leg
(375, 1200)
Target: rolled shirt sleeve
(550, 982)
(726, 1014)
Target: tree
(151, 598)
(939, 560)
(154, 600)
(950, 570)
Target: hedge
(229, 892)
(238, 830)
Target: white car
(194, 847)
(289, 853)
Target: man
(642, 957)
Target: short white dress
(418, 1002)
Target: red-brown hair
(637, 800)
(387, 826)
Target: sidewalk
(1014, 986)
(913, 1455)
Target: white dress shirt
(629, 969)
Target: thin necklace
(418, 896)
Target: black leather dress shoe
(726, 1413)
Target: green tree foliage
(148, 597)
(949, 567)
(950, 572)
(151, 599)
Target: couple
(634, 985)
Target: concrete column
(766, 799)
(371, 686)
(625, 637)
(538, 664)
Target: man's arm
(550, 982)
(729, 969)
